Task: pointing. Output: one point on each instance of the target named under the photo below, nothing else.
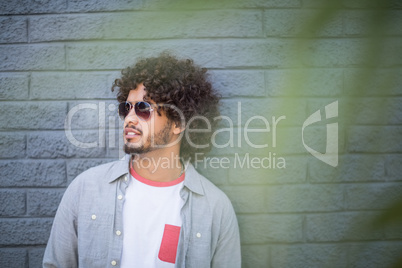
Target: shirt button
(120, 197)
(114, 263)
(93, 217)
(125, 178)
(198, 235)
(118, 232)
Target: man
(151, 209)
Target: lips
(131, 133)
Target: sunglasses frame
(135, 106)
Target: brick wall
(268, 58)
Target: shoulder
(207, 191)
(104, 173)
(94, 182)
(100, 169)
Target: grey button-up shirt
(88, 228)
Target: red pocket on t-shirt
(170, 240)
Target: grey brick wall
(268, 58)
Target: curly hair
(181, 84)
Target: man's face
(141, 136)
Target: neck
(158, 167)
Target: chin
(129, 149)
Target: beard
(159, 139)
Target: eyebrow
(144, 98)
(147, 99)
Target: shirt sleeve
(61, 249)
(228, 252)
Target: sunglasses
(142, 109)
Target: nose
(131, 118)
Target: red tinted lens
(142, 110)
(124, 109)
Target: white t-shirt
(151, 222)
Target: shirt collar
(192, 178)
(119, 169)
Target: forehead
(137, 94)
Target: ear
(177, 129)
